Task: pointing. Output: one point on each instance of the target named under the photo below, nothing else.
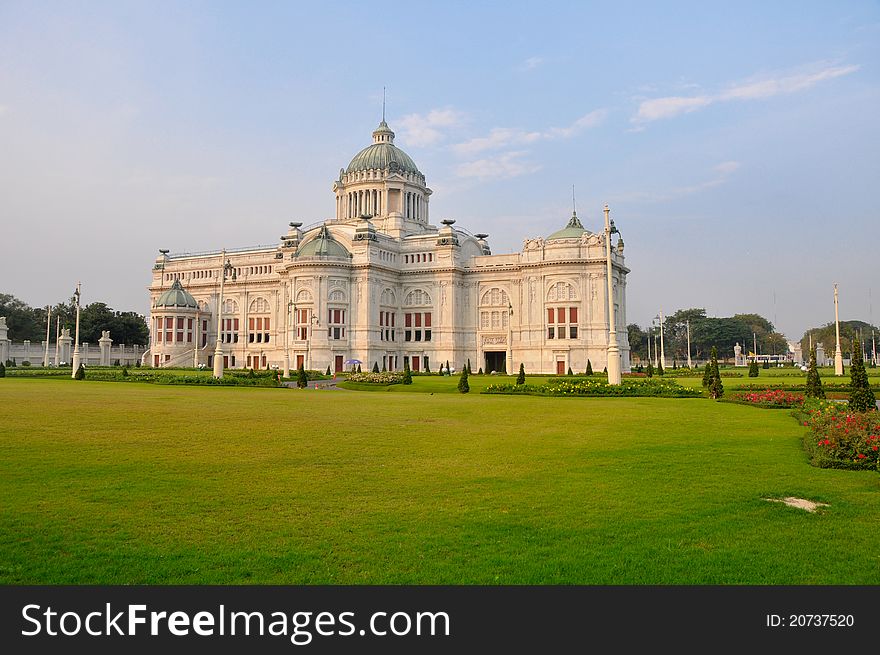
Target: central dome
(382, 155)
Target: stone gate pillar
(104, 344)
(65, 340)
(4, 340)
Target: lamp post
(313, 320)
(654, 337)
(613, 349)
(287, 336)
(662, 349)
(218, 350)
(48, 333)
(838, 356)
(690, 365)
(509, 356)
(76, 341)
(650, 333)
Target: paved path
(317, 384)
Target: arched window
(417, 298)
(304, 296)
(259, 321)
(495, 297)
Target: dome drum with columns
(380, 284)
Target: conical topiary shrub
(375, 367)
(407, 374)
(302, 380)
(716, 388)
(521, 376)
(589, 367)
(861, 398)
(80, 373)
(463, 386)
(814, 382)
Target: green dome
(573, 230)
(176, 296)
(323, 245)
(382, 154)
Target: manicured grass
(135, 483)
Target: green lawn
(136, 483)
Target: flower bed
(769, 398)
(598, 387)
(838, 438)
(389, 377)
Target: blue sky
(737, 143)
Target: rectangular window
(259, 324)
(407, 335)
(189, 324)
(392, 319)
(189, 336)
(418, 319)
(573, 332)
(572, 314)
(167, 337)
(418, 335)
(180, 336)
(169, 323)
(265, 337)
(560, 315)
(427, 335)
(407, 321)
(180, 323)
(251, 337)
(303, 334)
(381, 319)
(266, 324)
(427, 320)
(550, 333)
(549, 314)
(336, 333)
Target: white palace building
(379, 284)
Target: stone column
(104, 344)
(4, 340)
(65, 340)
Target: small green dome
(323, 245)
(382, 154)
(176, 296)
(574, 230)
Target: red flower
(862, 456)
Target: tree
(2, 370)
(80, 373)
(21, 319)
(716, 388)
(660, 370)
(375, 367)
(359, 368)
(826, 335)
(861, 398)
(328, 370)
(448, 372)
(302, 380)
(407, 374)
(469, 366)
(638, 340)
(589, 368)
(521, 378)
(650, 370)
(753, 370)
(569, 371)
(463, 386)
(480, 372)
(707, 373)
(814, 382)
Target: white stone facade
(378, 283)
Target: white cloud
(669, 107)
(531, 64)
(503, 137)
(427, 129)
(727, 167)
(652, 110)
(722, 171)
(504, 165)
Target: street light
(287, 337)
(509, 366)
(225, 269)
(659, 320)
(613, 357)
(690, 365)
(314, 320)
(838, 356)
(76, 342)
